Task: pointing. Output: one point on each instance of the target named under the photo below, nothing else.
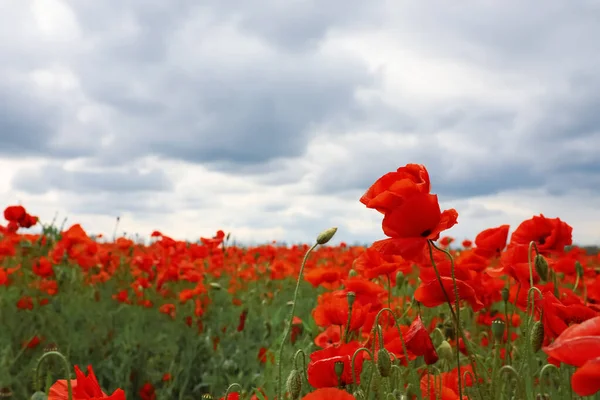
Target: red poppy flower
(14, 213)
(147, 392)
(491, 242)
(389, 191)
(322, 367)
(329, 393)
(579, 345)
(412, 224)
(84, 387)
(417, 341)
(430, 293)
(549, 234)
(586, 380)
(557, 316)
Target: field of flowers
(412, 316)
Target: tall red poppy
(389, 191)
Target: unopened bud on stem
(326, 235)
(399, 279)
(384, 363)
(537, 336)
(294, 384)
(445, 352)
(541, 267)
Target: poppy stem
(531, 244)
(389, 291)
(508, 322)
(455, 315)
(66, 365)
(291, 319)
(230, 387)
(353, 367)
(511, 370)
(299, 353)
(545, 368)
(397, 323)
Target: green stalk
(291, 319)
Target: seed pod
(339, 369)
(537, 336)
(498, 328)
(351, 296)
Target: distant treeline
(589, 249)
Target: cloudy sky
(270, 118)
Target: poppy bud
(384, 363)
(537, 336)
(352, 273)
(326, 235)
(498, 328)
(541, 267)
(294, 384)
(39, 396)
(399, 279)
(444, 350)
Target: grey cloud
(247, 116)
(302, 24)
(142, 62)
(39, 181)
(473, 212)
(27, 123)
(252, 113)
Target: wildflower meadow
(513, 313)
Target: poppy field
(513, 313)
